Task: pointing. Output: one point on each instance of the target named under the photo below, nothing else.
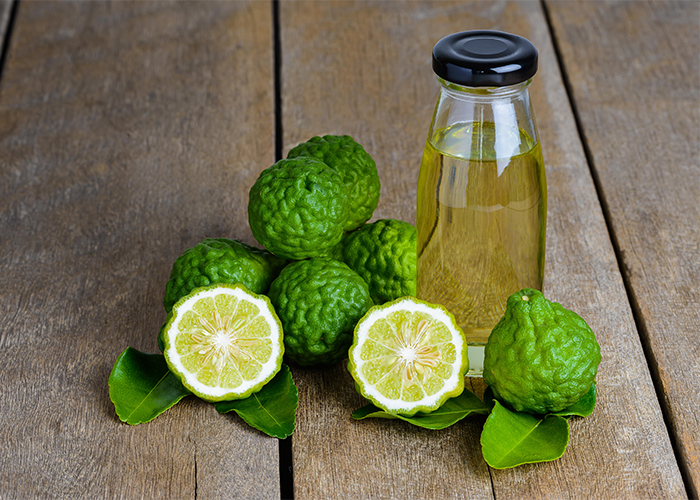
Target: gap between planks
(8, 13)
(285, 445)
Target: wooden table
(131, 131)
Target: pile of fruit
(234, 312)
(326, 286)
(323, 266)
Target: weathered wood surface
(364, 69)
(129, 131)
(634, 74)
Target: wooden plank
(634, 74)
(129, 132)
(364, 69)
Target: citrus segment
(408, 356)
(223, 342)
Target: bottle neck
(504, 113)
(483, 94)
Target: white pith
(221, 345)
(413, 357)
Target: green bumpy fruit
(540, 357)
(384, 254)
(220, 260)
(297, 208)
(355, 166)
(319, 301)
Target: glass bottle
(482, 193)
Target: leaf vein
(147, 395)
(266, 411)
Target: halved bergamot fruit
(223, 342)
(408, 356)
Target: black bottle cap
(484, 58)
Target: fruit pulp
(481, 221)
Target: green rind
(161, 342)
(166, 341)
(384, 254)
(356, 167)
(409, 412)
(298, 207)
(319, 301)
(540, 358)
(221, 260)
(582, 408)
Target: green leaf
(513, 438)
(272, 409)
(142, 387)
(583, 407)
(451, 412)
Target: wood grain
(364, 69)
(129, 131)
(634, 74)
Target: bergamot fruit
(355, 166)
(298, 207)
(220, 260)
(319, 301)
(540, 357)
(223, 342)
(408, 356)
(384, 254)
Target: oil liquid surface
(481, 219)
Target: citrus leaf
(514, 438)
(451, 412)
(582, 408)
(142, 387)
(272, 409)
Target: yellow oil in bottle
(481, 219)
